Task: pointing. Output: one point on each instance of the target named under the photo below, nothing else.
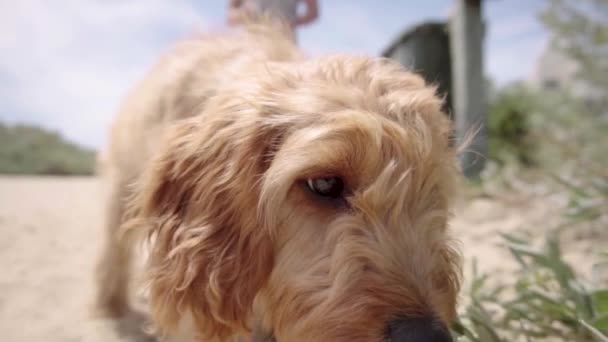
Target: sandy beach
(50, 233)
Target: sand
(49, 239)
(50, 234)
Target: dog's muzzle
(418, 330)
(406, 330)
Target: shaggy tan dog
(306, 198)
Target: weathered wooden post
(466, 37)
(425, 49)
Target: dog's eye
(331, 187)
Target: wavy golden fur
(209, 159)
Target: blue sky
(67, 64)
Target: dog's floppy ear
(197, 201)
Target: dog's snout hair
(307, 197)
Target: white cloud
(344, 28)
(514, 61)
(69, 64)
(513, 26)
(514, 44)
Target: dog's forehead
(354, 116)
(333, 83)
(358, 146)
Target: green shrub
(547, 300)
(26, 149)
(544, 128)
(509, 128)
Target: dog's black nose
(418, 330)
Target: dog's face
(317, 193)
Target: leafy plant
(580, 30)
(564, 137)
(547, 300)
(509, 128)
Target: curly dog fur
(210, 160)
